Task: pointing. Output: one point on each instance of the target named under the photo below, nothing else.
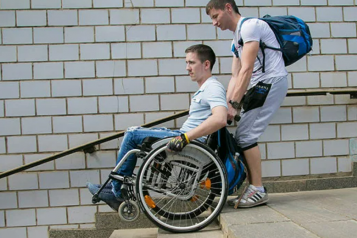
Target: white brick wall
(17, 36)
(76, 4)
(50, 106)
(13, 232)
(31, 18)
(10, 162)
(123, 121)
(80, 178)
(7, 53)
(16, 71)
(21, 144)
(93, 17)
(2, 219)
(45, 4)
(31, 89)
(295, 132)
(61, 88)
(63, 52)
(323, 165)
(22, 107)
(140, 33)
(39, 231)
(343, 29)
(74, 71)
(79, 69)
(109, 33)
(152, 16)
(8, 200)
(81, 214)
(126, 50)
(52, 143)
(98, 123)
(111, 68)
(32, 53)
(9, 90)
(295, 167)
(7, 18)
(51, 216)
(309, 149)
(48, 70)
(63, 197)
(78, 34)
(322, 131)
(336, 147)
(25, 217)
(29, 199)
(29, 158)
(82, 105)
(23, 181)
(73, 161)
(67, 124)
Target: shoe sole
(242, 205)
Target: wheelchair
(178, 191)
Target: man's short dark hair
(204, 52)
(220, 4)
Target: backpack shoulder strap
(240, 42)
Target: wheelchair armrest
(147, 143)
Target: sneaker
(106, 195)
(251, 198)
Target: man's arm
(242, 79)
(216, 121)
(235, 71)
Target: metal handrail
(89, 147)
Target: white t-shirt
(256, 30)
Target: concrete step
(135, 233)
(111, 220)
(212, 231)
(80, 233)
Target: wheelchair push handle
(236, 118)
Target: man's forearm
(212, 124)
(241, 85)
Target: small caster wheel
(129, 211)
(95, 199)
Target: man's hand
(178, 143)
(231, 112)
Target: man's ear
(207, 64)
(228, 7)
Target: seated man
(208, 113)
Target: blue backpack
(228, 151)
(293, 35)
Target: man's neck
(203, 80)
(236, 17)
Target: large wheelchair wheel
(182, 192)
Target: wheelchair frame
(176, 191)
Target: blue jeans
(133, 137)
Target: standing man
(208, 114)
(263, 91)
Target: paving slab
(334, 229)
(343, 202)
(323, 214)
(269, 230)
(299, 210)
